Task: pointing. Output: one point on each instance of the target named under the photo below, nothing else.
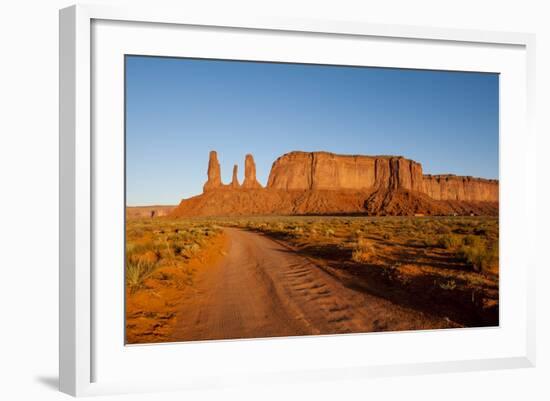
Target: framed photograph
(272, 200)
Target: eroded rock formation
(214, 173)
(235, 180)
(326, 183)
(250, 180)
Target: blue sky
(177, 110)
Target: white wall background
(29, 196)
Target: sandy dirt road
(263, 289)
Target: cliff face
(326, 183)
(327, 171)
(319, 170)
(452, 187)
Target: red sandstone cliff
(452, 187)
(328, 171)
(326, 183)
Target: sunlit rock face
(250, 180)
(234, 179)
(214, 173)
(328, 171)
(452, 187)
(327, 183)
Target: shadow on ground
(463, 304)
(51, 382)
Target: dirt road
(263, 289)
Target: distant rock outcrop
(452, 187)
(327, 183)
(135, 212)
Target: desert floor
(250, 278)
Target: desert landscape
(332, 244)
(271, 199)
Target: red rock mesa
(326, 183)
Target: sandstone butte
(322, 183)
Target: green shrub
(449, 241)
(471, 240)
(177, 247)
(480, 255)
(449, 285)
(481, 231)
(429, 242)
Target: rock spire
(235, 180)
(250, 180)
(214, 173)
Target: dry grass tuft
(159, 244)
(364, 252)
(138, 269)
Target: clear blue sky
(177, 110)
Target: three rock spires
(214, 174)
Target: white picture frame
(79, 345)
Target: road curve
(263, 289)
